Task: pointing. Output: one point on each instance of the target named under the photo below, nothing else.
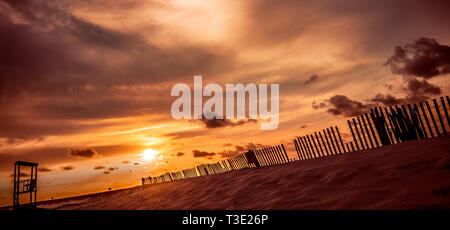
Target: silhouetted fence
(380, 127)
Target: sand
(413, 175)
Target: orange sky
(97, 75)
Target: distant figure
(143, 181)
(251, 158)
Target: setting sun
(149, 154)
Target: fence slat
(362, 132)
(367, 131)
(353, 134)
(287, 158)
(307, 147)
(335, 140)
(371, 130)
(314, 142)
(436, 106)
(445, 111)
(320, 146)
(436, 128)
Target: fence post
(426, 119)
(297, 149)
(340, 138)
(332, 142)
(324, 145)
(353, 134)
(300, 142)
(275, 155)
(367, 131)
(314, 142)
(417, 122)
(285, 153)
(305, 143)
(391, 133)
(312, 148)
(318, 142)
(445, 110)
(362, 132)
(436, 106)
(371, 129)
(432, 119)
(269, 156)
(335, 140)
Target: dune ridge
(411, 175)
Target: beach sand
(412, 175)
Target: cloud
(68, 68)
(136, 163)
(106, 172)
(85, 153)
(313, 78)
(99, 167)
(386, 99)
(220, 123)
(44, 169)
(198, 153)
(342, 105)
(67, 168)
(302, 126)
(320, 105)
(112, 168)
(425, 58)
(239, 149)
(125, 162)
(179, 154)
(416, 87)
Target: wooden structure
(379, 127)
(24, 186)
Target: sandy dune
(415, 175)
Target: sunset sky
(85, 85)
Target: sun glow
(149, 154)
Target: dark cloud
(106, 172)
(239, 149)
(112, 168)
(67, 168)
(179, 154)
(67, 67)
(227, 145)
(425, 58)
(220, 123)
(316, 105)
(302, 126)
(416, 87)
(85, 153)
(313, 78)
(386, 99)
(340, 105)
(136, 163)
(125, 162)
(99, 167)
(198, 153)
(44, 169)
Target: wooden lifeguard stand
(25, 186)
